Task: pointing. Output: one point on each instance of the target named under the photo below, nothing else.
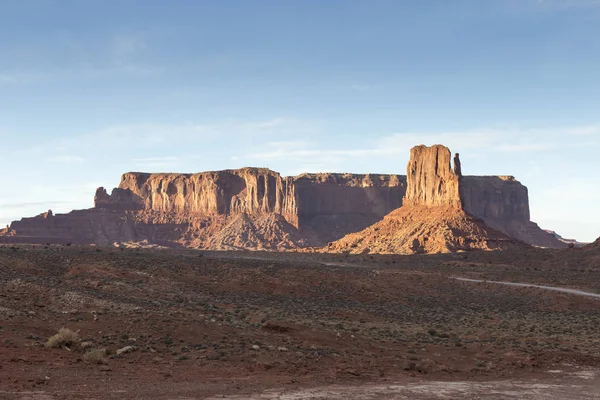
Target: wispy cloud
(149, 135)
(398, 144)
(585, 131)
(156, 162)
(117, 55)
(28, 204)
(66, 159)
(273, 123)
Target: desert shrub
(96, 356)
(64, 337)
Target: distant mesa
(258, 209)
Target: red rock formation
(432, 219)
(248, 208)
(430, 178)
(264, 210)
(457, 166)
(247, 190)
(502, 203)
(415, 229)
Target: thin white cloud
(29, 204)
(156, 162)
(400, 143)
(273, 123)
(66, 159)
(119, 55)
(149, 135)
(360, 154)
(584, 130)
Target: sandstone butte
(437, 207)
(432, 218)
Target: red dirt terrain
(182, 324)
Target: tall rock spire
(430, 178)
(457, 167)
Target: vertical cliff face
(258, 208)
(495, 197)
(243, 191)
(430, 178)
(330, 194)
(502, 203)
(333, 205)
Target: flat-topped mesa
(257, 208)
(246, 190)
(430, 178)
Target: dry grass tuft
(96, 356)
(64, 337)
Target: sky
(90, 89)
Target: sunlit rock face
(431, 181)
(256, 208)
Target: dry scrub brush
(64, 337)
(96, 356)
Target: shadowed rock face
(257, 208)
(457, 166)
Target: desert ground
(186, 324)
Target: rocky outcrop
(414, 229)
(430, 178)
(253, 208)
(242, 191)
(333, 205)
(432, 218)
(457, 166)
(502, 203)
(257, 208)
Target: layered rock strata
(257, 208)
(253, 208)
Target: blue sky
(90, 89)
